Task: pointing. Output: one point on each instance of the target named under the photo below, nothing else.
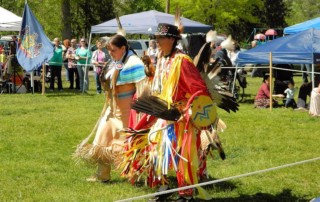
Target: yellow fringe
(171, 82)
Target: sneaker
(51, 90)
(301, 109)
(94, 178)
(61, 90)
(163, 197)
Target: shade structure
(147, 22)
(313, 23)
(300, 48)
(260, 37)
(271, 32)
(9, 21)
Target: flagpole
(32, 82)
(43, 78)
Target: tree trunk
(167, 6)
(66, 19)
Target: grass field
(39, 133)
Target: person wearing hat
(178, 82)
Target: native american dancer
(168, 135)
(126, 76)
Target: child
(290, 102)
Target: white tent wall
(9, 21)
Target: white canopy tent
(9, 21)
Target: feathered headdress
(177, 20)
(120, 30)
(227, 44)
(211, 36)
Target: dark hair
(265, 77)
(119, 41)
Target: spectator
(99, 60)
(254, 43)
(2, 61)
(305, 90)
(83, 55)
(315, 102)
(262, 99)
(290, 102)
(153, 52)
(12, 61)
(305, 75)
(222, 54)
(14, 45)
(233, 52)
(227, 72)
(72, 66)
(55, 65)
(2, 47)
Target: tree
(226, 16)
(123, 7)
(302, 10)
(66, 19)
(273, 14)
(88, 13)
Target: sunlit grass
(38, 135)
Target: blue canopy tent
(314, 23)
(147, 22)
(300, 48)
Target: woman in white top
(153, 52)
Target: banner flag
(34, 46)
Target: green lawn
(39, 133)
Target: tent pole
(270, 80)
(312, 76)
(234, 79)
(32, 82)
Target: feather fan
(209, 72)
(156, 107)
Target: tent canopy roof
(300, 48)
(313, 23)
(9, 21)
(146, 23)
